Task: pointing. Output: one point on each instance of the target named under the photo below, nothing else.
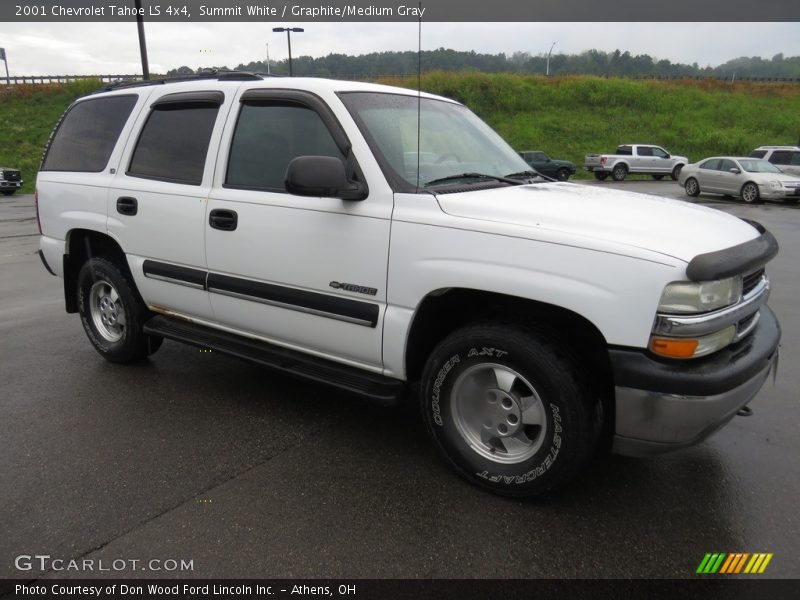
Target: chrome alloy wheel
(108, 314)
(750, 193)
(498, 413)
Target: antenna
(419, 88)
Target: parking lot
(247, 473)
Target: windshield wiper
(530, 173)
(480, 176)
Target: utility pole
(5, 61)
(142, 41)
(549, 52)
(268, 73)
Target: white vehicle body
(786, 158)
(357, 283)
(640, 159)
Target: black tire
(619, 172)
(692, 187)
(600, 175)
(571, 419)
(750, 193)
(104, 318)
(676, 172)
(8, 192)
(658, 177)
(562, 174)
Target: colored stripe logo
(735, 562)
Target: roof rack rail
(218, 74)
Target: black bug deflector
(736, 259)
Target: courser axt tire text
(509, 408)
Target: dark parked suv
(557, 169)
(10, 180)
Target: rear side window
(86, 136)
(624, 150)
(268, 136)
(712, 164)
(174, 142)
(780, 157)
(758, 154)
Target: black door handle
(127, 206)
(225, 220)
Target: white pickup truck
(302, 224)
(635, 159)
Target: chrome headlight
(692, 297)
(775, 185)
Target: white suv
(301, 224)
(786, 158)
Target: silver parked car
(753, 179)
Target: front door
(303, 272)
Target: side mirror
(735, 171)
(322, 176)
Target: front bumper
(782, 193)
(7, 185)
(665, 405)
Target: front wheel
(676, 172)
(692, 187)
(658, 177)
(562, 174)
(750, 193)
(112, 313)
(619, 173)
(509, 408)
(8, 192)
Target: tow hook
(745, 411)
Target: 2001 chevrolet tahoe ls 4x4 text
(300, 224)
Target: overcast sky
(112, 48)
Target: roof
(234, 79)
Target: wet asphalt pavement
(247, 473)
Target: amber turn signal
(672, 348)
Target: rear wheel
(509, 408)
(750, 193)
(112, 313)
(692, 187)
(619, 173)
(562, 174)
(600, 175)
(676, 172)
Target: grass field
(570, 117)
(567, 117)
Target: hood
(671, 227)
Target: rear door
(728, 181)
(642, 159)
(157, 200)
(708, 175)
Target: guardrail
(40, 79)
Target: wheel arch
(81, 245)
(443, 311)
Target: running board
(381, 389)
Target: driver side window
(267, 137)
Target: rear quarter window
(758, 154)
(86, 135)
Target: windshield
(452, 141)
(759, 166)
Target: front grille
(10, 175)
(750, 281)
(791, 184)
